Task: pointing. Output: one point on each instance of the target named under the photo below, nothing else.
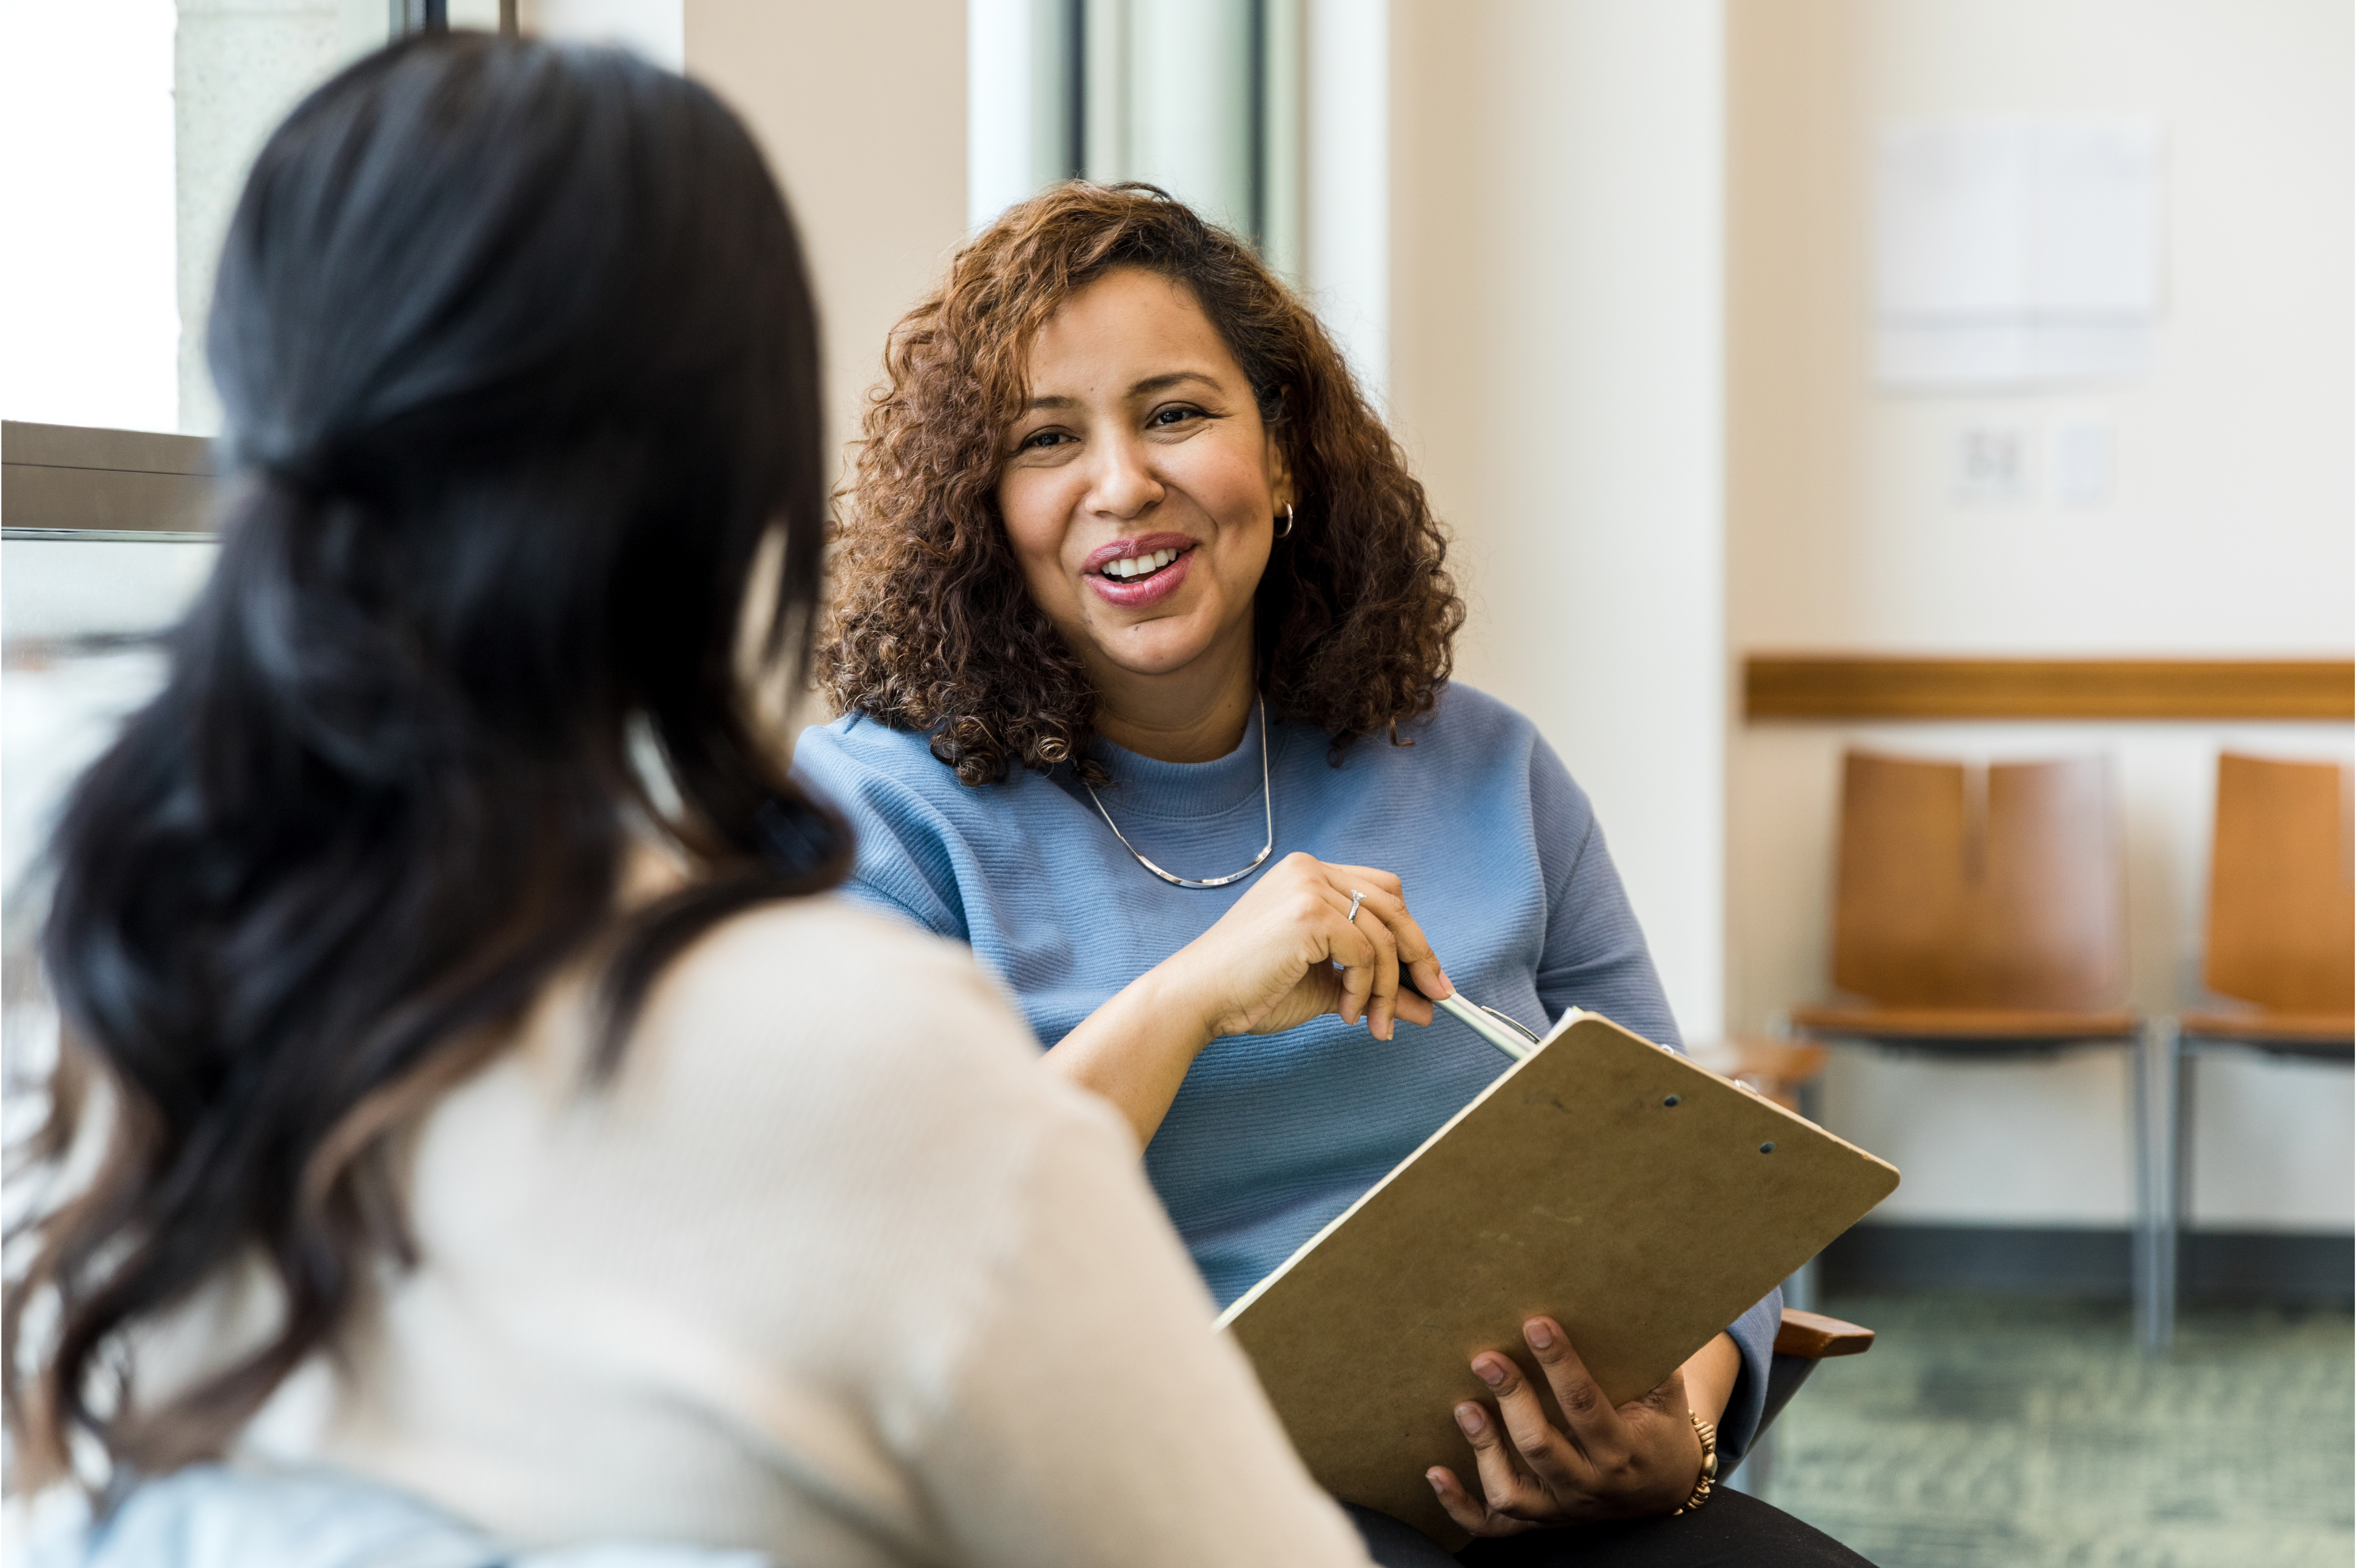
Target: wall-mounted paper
(2016, 250)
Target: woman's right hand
(1289, 953)
(1270, 963)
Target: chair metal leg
(2158, 1182)
(1805, 1288)
(2143, 1074)
(1800, 1290)
(2183, 1106)
(1756, 1473)
(1784, 1376)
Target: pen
(1505, 1033)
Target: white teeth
(1138, 565)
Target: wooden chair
(1781, 1070)
(1981, 912)
(2282, 941)
(1978, 907)
(1802, 1339)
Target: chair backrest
(2282, 913)
(1964, 886)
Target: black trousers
(1734, 1530)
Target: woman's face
(1140, 488)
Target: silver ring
(1356, 897)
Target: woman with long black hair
(466, 1080)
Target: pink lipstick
(1135, 573)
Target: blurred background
(1967, 381)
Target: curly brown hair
(932, 627)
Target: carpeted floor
(1983, 1432)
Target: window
(131, 125)
(1202, 99)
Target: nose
(1123, 485)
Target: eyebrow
(1150, 385)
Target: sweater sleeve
(1595, 956)
(905, 865)
(1595, 959)
(1100, 1420)
(1030, 1349)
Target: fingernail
(1541, 1337)
(1447, 981)
(1431, 1478)
(1468, 1416)
(1489, 1373)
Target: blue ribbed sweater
(1271, 1136)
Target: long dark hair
(520, 368)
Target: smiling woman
(1111, 435)
(1122, 517)
(934, 627)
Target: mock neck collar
(1145, 787)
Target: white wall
(2227, 532)
(861, 110)
(1556, 372)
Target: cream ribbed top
(834, 1269)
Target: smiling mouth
(1137, 567)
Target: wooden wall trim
(1866, 687)
(70, 482)
(93, 446)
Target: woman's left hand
(1641, 1458)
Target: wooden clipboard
(1641, 1199)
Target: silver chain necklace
(1268, 800)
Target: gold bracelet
(1709, 1477)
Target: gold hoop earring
(1286, 532)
